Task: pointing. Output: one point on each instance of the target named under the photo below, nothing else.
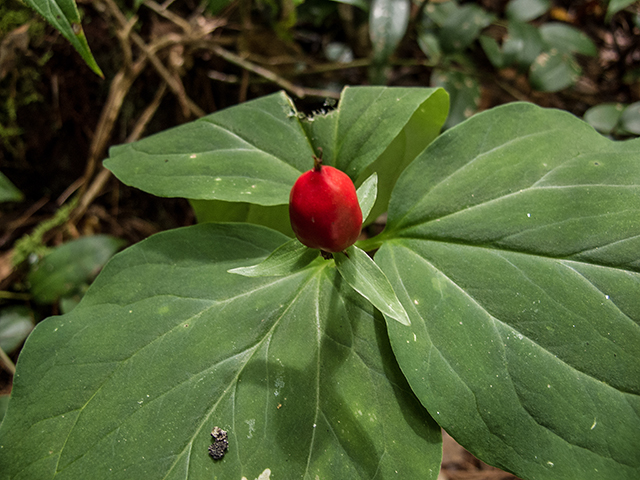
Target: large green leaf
(273, 216)
(166, 345)
(64, 16)
(379, 129)
(254, 152)
(513, 243)
(251, 153)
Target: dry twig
(298, 91)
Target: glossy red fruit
(324, 209)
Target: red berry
(324, 209)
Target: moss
(14, 14)
(20, 86)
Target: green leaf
(8, 191)
(513, 243)
(251, 153)
(525, 10)
(64, 16)
(630, 119)
(616, 5)
(275, 217)
(440, 12)
(254, 152)
(492, 50)
(166, 345)
(72, 264)
(464, 94)
(553, 71)
(362, 4)
(288, 258)
(461, 28)
(4, 403)
(523, 44)
(379, 129)
(367, 194)
(604, 117)
(366, 278)
(16, 323)
(567, 39)
(388, 20)
(430, 45)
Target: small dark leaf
(464, 94)
(553, 71)
(462, 27)
(492, 50)
(16, 323)
(8, 191)
(71, 265)
(604, 117)
(525, 10)
(522, 45)
(568, 39)
(388, 20)
(630, 119)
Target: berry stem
(317, 161)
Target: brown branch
(175, 84)
(6, 362)
(298, 91)
(103, 176)
(147, 115)
(169, 15)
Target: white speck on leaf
(266, 475)
(251, 423)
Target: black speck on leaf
(220, 443)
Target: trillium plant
(500, 303)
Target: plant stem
(7, 363)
